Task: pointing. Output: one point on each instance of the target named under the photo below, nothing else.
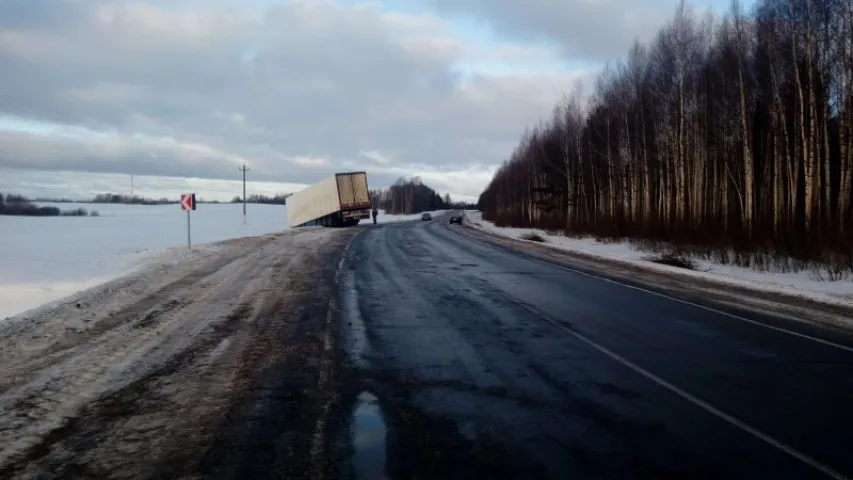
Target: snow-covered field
(803, 284)
(46, 259)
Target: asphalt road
(482, 363)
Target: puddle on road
(368, 431)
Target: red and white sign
(187, 202)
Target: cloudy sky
(180, 93)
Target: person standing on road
(375, 212)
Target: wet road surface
(487, 364)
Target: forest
(731, 136)
(408, 197)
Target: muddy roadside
(223, 367)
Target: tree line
(278, 199)
(460, 205)
(406, 197)
(733, 133)
(102, 198)
(115, 198)
(18, 205)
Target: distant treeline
(52, 200)
(279, 199)
(21, 206)
(409, 196)
(107, 198)
(115, 198)
(462, 206)
(403, 197)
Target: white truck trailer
(337, 201)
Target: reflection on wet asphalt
(488, 364)
(368, 438)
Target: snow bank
(802, 284)
(43, 259)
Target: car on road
(426, 217)
(456, 219)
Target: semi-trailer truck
(337, 201)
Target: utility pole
(131, 185)
(244, 169)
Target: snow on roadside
(800, 284)
(145, 270)
(383, 217)
(47, 259)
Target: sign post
(188, 204)
(189, 232)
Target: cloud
(592, 31)
(298, 90)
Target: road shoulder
(718, 295)
(216, 365)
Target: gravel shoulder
(207, 367)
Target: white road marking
(686, 302)
(829, 471)
(743, 426)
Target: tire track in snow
(171, 362)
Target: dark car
(426, 216)
(456, 219)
